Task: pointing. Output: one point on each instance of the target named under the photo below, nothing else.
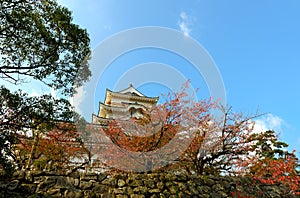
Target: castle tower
(123, 105)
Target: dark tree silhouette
(38, 41)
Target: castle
(123, 105)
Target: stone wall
(24, 184)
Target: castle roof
(122, 109)
(131, 94)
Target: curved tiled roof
(132, 96)
(122, 109)
(130, 93)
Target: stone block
(121, 183)
(149, 183)
(88, 177)
(155, 190)
(118, 190)
(73, 194)
(20, 175)
(90, 194)
(107, 195)
(160, 185)
(137, 196)
(54, 192)
(140, 190)
(135, 183)
(121, 196)
(85, 185)
(13, 185)
(45, 185)
(110, 181)
(101, 177)
(100, 188)
(28, 188)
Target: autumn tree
(161, 124)
(214, 142)
(218, 146)
(38, 41)
(272, 163)
(60, 149)
(33, 125)
(221, 143)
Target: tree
(164, 122)
(32, 119)
(272, 163)
(60, 149)
(223, 144)
(219, 145)
(281, 170)
(217, 142)
(38, 40)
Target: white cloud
(183, 16)
(184, 24)
(269, 122)
(77, 99)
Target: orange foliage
(59, 147)
(282, 170)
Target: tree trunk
(33, 148)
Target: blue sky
(255, 45)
